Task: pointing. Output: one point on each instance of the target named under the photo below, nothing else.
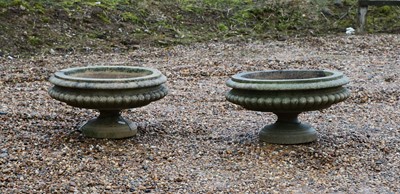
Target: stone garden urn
(287, 93)
(108, 89)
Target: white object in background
(350, 31)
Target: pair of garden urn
(286, 93)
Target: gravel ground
(193, 140)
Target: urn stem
(109, 113)
(288, 117)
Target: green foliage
(383, 18)
(39, 8)
(45, 19)
(103, 17)
(19, 3)
(216, 5)
(129, 16)
(68, 4)
(105, 4)
(179, 17)
(10, 3)
(189, 6)
(242, 16)
(345, 23)
(385, 10)
(226, 3)
(34, 41)
(222, 27)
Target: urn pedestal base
(288, 130)
(110, 124)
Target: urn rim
(252, 81)
(73, 78)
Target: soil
(30, 28)
(25, 33)
(193, 140)
(26, 30)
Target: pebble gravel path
(193, 140)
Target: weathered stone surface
(108, 89)
(287, 93)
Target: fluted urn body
(287, 93)
(108, 89)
